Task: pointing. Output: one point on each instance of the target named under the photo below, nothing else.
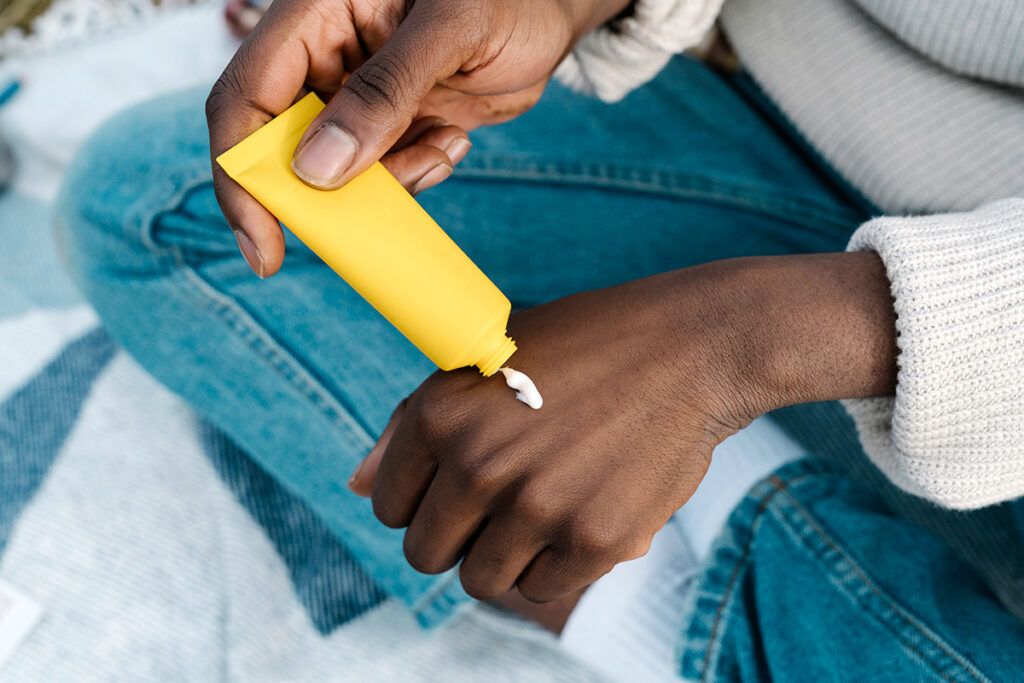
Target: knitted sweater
(920, 105)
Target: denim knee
(132, 169)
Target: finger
(429, 160)
(442, 526)
(257, 233)
(404, 474)
(419, 167)
(379, 100)
(417, 129)
(365, 475)
(554, 573)
(500, 553)
(452, 140)
(263, 79)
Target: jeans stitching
(142, 221)
(966, 667)
(712, 593)
(139, 225)
(734, 578)
(765, 500)
(666, 182)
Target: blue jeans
(303, 374)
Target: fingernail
(325, 156)
(250, 252)
(432, 177)
(354, 479)
(457, 149)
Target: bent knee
(125, 175)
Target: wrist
(818, 327)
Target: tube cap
(496, 356)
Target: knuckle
(434, 419)
(472, 19)
(480, 477)
(387, 515)
(536, 504)
(218, 98)
(228, 96)
(381, 84)
(536, 591)
(422, 560)
(230, 86)
(439, 413)
(593, 540)
(478, 586)
(637, 548)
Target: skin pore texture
(526, 390)
(641, 380)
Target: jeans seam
(713, 592)
(730, 586)
(139, 224)
(666, 182)
(966, 667)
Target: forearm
(827, 327)
(797, 329)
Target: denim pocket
(795, 590)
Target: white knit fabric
(612, 61)
(879, 89)
(955, 431)
(912, 135)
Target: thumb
(365, 475)
(380, 99)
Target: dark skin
(401, 86)
(640, 381)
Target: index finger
(264, 78)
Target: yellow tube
(375, 236)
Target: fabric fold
(625, 54)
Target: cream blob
(526, 390)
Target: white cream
(526, 390)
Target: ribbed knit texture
(968, 37)
(919, 105)
(910, 134)
(953, 431)
(613, 61)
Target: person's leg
(815, 578)
(303, 374)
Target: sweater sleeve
(628, 52)
(954, 432)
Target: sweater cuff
(625, 54)
(954, 433)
